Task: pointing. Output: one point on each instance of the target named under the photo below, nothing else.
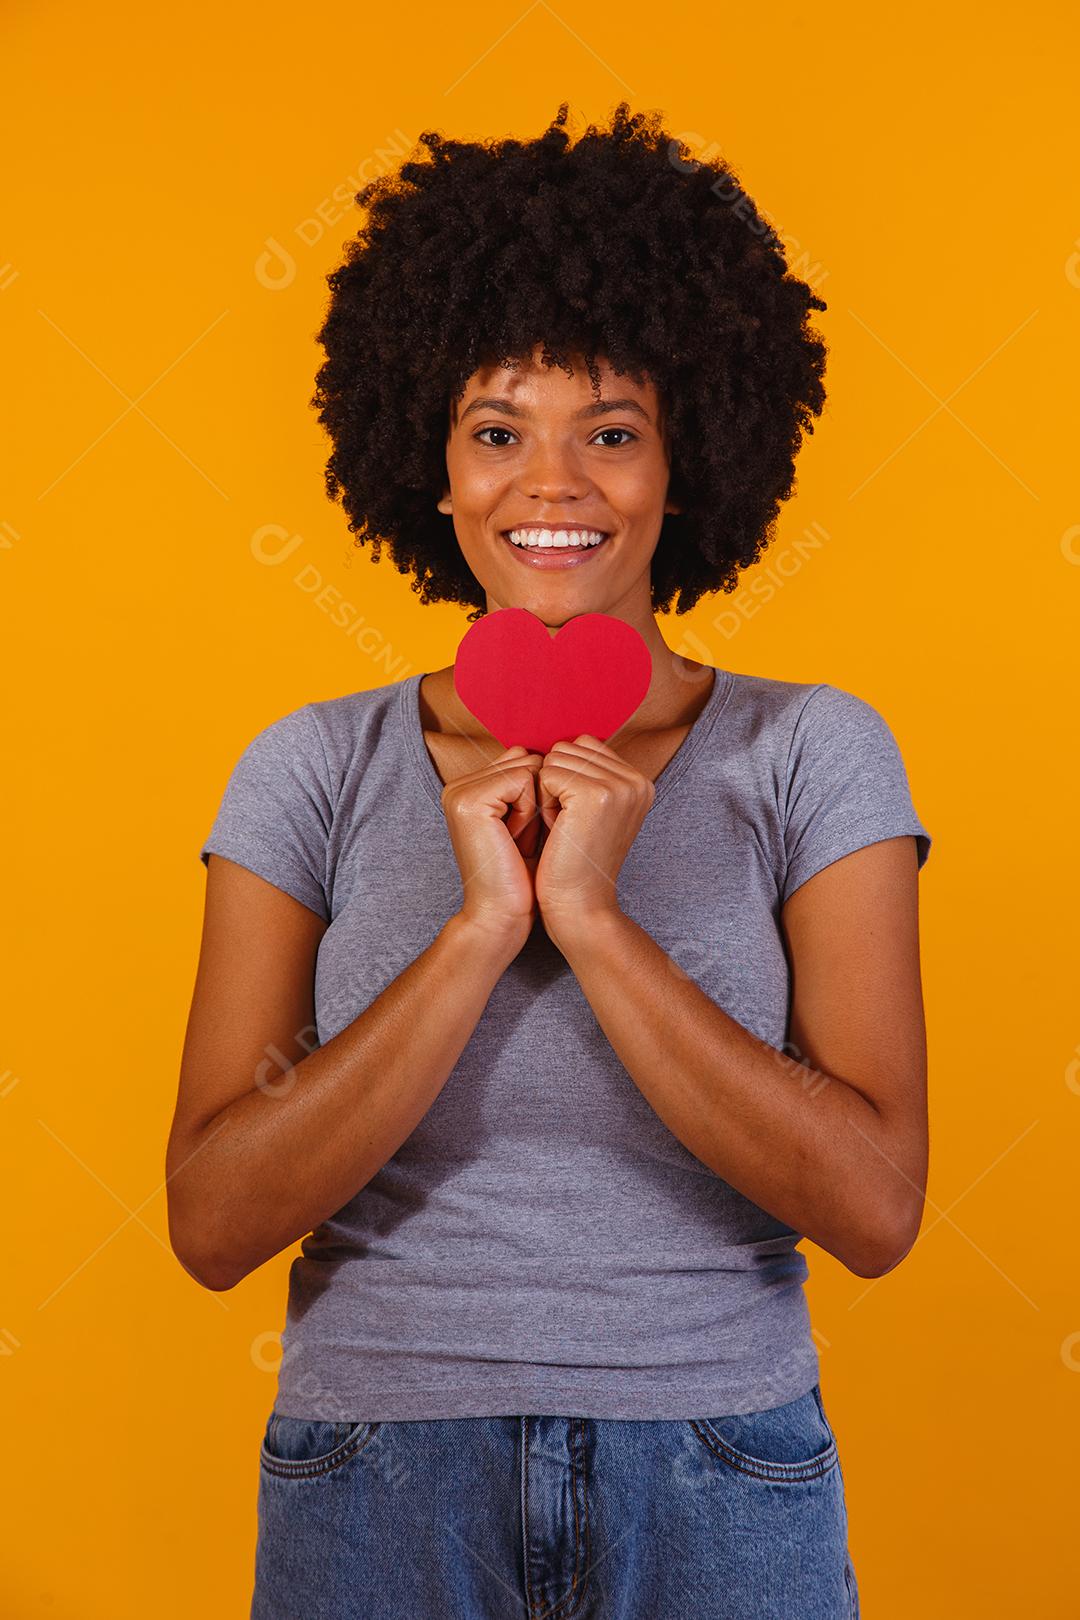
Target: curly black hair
(621, 245)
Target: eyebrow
(600, 407)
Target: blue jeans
(555, 1518)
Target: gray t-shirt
(542, 1244)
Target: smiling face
(532, 452)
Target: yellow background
(167, 226)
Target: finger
(547, 801)
(594, 746)
(528, 839)
(587, 740)
(499, 780)
(560, 776)
(594, 756)
(522, 820)
(605, 758)
(553, 780)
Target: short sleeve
(846, 786)
(276, 811)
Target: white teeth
(531, 539)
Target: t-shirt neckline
(672, 773)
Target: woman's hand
(497, 857)
(593, 804)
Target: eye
(482, 431)
(627, 436)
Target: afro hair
(621, 245)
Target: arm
(833, 1141)
(271, 1137)
(834, 1145)
(266, 1141)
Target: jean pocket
(301, 1448)
(787, 1444)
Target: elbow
(206, 1269)
(202, 1262)
(195, 1224)
(208, 1276)
(874, 1262)
(883, 1247)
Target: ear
(445, 505)
(674, 507)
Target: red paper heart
(527, 686)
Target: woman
(550, 1061)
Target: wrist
(493, 939)
(575, 930)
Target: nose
(553, 473)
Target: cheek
(477, 490)
(638, 489)
(476, 541)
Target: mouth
(539, 547)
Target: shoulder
(762, 713)
(334, 729)
(350, 713)
(279, 805)
(839, 775)
(319, 743)
(789, 712)
(833, 724)
(818, 734)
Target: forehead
(528, 383)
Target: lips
(548, 558)
(557, 528)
